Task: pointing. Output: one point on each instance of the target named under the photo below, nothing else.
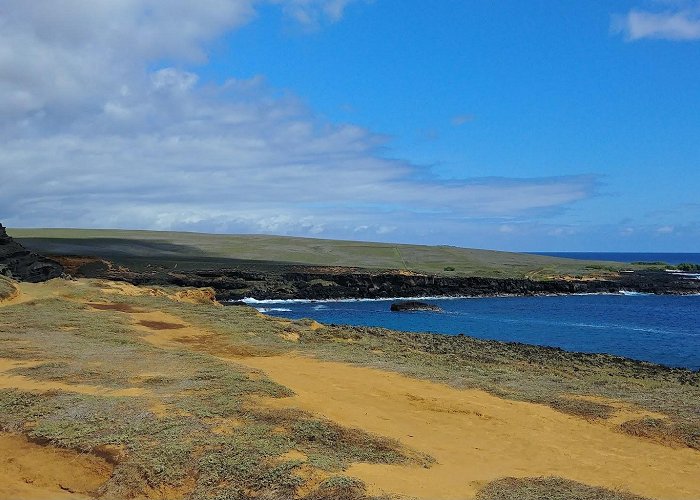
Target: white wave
(252, 301)
(273, 309)
(632, 294)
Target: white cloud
(679, 21)
(92, 136)
(311, 13)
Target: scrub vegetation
(166, 418)
(185, 420)
(548, 488)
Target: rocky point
(19, 263)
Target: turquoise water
(661, 329)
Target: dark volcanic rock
(23, 265)
(308, 282)
(413, 305)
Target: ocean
(668, 258)
(656, 328)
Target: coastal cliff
(21, 264)
(319, 283)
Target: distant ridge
(217, 250)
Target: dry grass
(661, 431)
(168, 434)
(590, 410)
(548, 488)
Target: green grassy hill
(191, 250)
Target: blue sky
(542, 125)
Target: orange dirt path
(474, 436)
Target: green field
(192, 250)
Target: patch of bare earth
(475, 437)
(29, 471)
(116, 306)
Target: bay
(660, 329)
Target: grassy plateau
(196, 250)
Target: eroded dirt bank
(29, 471)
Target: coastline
(252, 301)
(314, 283)
(524, 320)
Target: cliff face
(23, 265)
(300, 282)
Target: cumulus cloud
(679, 20)
(98, 132)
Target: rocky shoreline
(314, 283)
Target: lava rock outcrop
(413, 305)
(19, 263)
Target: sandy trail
(474, 436)
(32, 472)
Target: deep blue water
(662, 329)
(669, 258)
